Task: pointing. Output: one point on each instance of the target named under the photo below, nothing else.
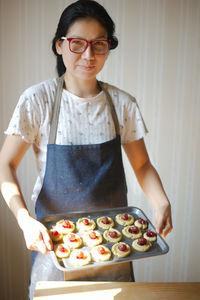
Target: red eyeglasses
(79, 46)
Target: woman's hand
(163, 219)
(36, 236)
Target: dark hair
(77, 10)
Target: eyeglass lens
(79, 46)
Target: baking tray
(159, 247)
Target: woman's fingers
(167, 228)
(36, 236)
(47, 239)
(41, 247)
(163, 221)
(35, 242)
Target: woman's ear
(59, 47)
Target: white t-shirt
(81, 120)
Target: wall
(158, 61)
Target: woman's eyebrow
(101, 37)
(81, 37)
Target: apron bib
(80, 177)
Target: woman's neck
(81, 88)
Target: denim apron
(80, 178)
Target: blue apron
(80, 177)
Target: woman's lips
(87, 68)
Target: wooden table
(88, 290)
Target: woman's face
(87, 65)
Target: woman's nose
(89, 53)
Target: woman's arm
(36, 235)
(151, 184)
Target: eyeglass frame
(88, 43)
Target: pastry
(150, 236)
(124, 219)
(141, 245)
(73, 240)
(141, 223)
(65, 226)
(112, 235)
(62, 250)
(92, 238)
(55, 235)
(100, 253)
(85, 224)
(105, 222)
(132, 232)
(80, 257)
(121, 249)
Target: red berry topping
(133, 229)
(55, 233)
(122, 247)
(105, 220)
(124, 217)
(86, 222)
(72, 237)
(61, 248)
(142, 241)
(150, 233)
(93, 235)
(101, 250)
(112, 234)
(141, 221)
(66, 224)
(80, 255)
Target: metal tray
(159, 247)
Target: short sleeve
(25, 120)
(133, 126)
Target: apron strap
(112, 108)
(56, 110)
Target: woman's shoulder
(42, 89)
(120, 94)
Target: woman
(79, 153)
